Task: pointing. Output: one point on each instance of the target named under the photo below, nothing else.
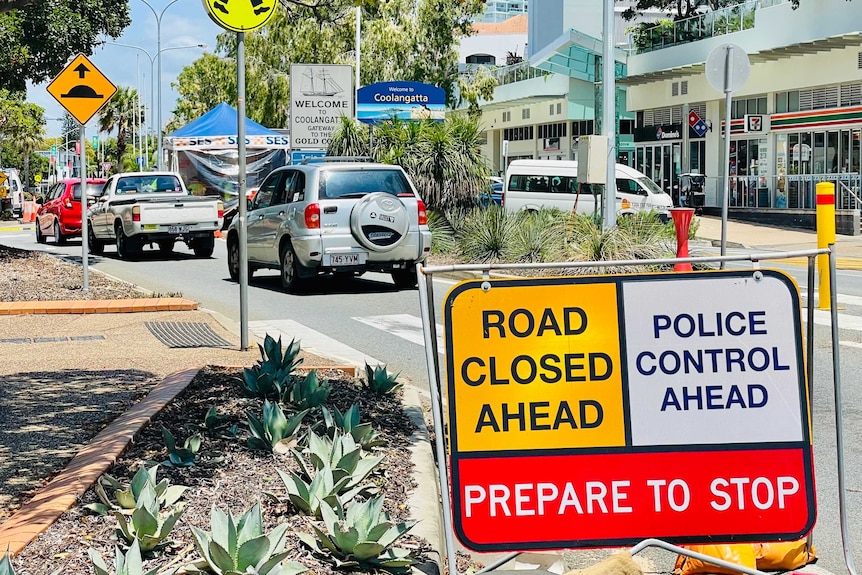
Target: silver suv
(333, 217)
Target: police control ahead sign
(605, 410)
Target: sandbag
(621, 563)
(784, 555)
(738, 553)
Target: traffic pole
(825, 238)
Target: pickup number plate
(351, 259)
(178, 229)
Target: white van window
(627, 186)
(649, 185)
(546, 184)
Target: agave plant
(306, 392)
(275, 369)
(274, 430)
(128, 564)
(380, 381)
(126, 496)
(148, 524)
(238, 545)
(361, 537)
(308, 496)
(6, 565)
(348, 422)
(181, 456)
(342, 455)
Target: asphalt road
(331, 308)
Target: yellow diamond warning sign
(81, 89)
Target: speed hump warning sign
(602, 410)
(82, 89)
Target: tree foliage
(21, 130)
(38, 38)
(401, 40)
(679, 9)
(442, 158)
(120, 114)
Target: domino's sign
(602, 410)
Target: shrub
(128, 564)
(380, 381)
(486, 234)
(149, 525)
(273, 431)
(127, 496)
(184, 456)
(274, 371)
(306, 392)
(348, 422)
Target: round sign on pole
(726, 78)
(37, 178)
(240, 15)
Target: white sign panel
(319, 95)
(713, 362)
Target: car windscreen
(358, 182)
(148, 184)
(92, 190)
(650, 185)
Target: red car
(59, 214)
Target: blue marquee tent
(205, 152)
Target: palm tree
(119, 113)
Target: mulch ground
(228, 474)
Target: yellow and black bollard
(825, 237)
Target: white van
(534, 184)
(11, 192)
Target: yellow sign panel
(82, 89)
(240, 15)
(535, 372)
(3, 178)
(37, 178)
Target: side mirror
(103, 199)
(39, 200)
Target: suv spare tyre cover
(379, 221)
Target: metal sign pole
(84, 247)
(728, 101)
(241, 201)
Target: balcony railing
(716, 23)
(517, 73)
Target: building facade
(796, 121)
(501, 10)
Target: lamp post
(152, 59)
(159, 50)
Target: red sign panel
(616, 498)
(603, 410)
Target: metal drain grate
(185, 334)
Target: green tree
(22, 128)
(38, 38)
(119, 114)
(442, 158)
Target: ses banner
(385, 101)
(597, 411)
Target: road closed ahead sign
(605, 410)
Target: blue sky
(184, 23)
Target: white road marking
(403, 325)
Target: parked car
(334, 217)
(491, 195)
(59, 213)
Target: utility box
(592, 159)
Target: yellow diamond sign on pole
(81, 89)
(240, 15)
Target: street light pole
(158, 16)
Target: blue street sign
(296, 156)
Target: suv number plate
(178, 229)
(351, 259)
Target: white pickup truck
(139, 208)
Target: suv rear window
(357, 183)
(92, 190)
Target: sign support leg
(694, 555)
(84, 247)
(728, 102)
(839, 417)
(241, 201)
(426, 304)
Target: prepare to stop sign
(604, 410)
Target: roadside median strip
(98, 306)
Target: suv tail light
(503, 196)
(423, 213)
(312, 216)
(221, 209)
(136, 213)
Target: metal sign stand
(427, 306)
